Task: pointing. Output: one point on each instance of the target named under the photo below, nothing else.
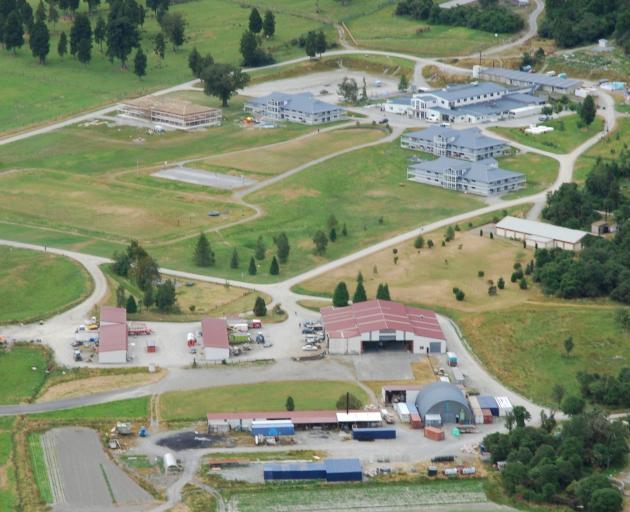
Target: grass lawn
(120, 410)
(523, 346)
(541, 171)
(397, 495)
(7, 473)
(428, 276)
(19, 382)
(258, 456)
(301, 205)
(272, 160)
(384, 31)
(607, 149)
(38, 465)
(35, 285)
(34, 93)
(558, 141)
(208, 299)
(265, 396)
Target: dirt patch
(4, 480)
(291, 193)
(193, 440)
(95, 385)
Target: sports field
(35, 285)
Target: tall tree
(203, 254)
(26, 13)
(194, 58)
(81, 29)
(588, 110)
(403, 83)
(13, 32)
(290, 404)
(364, 95)
(260, 308)
(84, 52)
(269, 24)
(340, 295)
(320, 240)
(320, 43)
(223, 80)
(249, 48)
(359, 294)
(148, 299)
(166, 297)
(53, 14)
(252, 267)
(310, 45)
(131, 305)
(40, 12)
(521, 415)
(234, 259)
(40, 41)
(382, 292)
(274, 268)
(100, 31)
(174, 27)
(140, 63)
(255, 21)
(122, 30)
(283, 247)
(62, 45)
(568, 345)
(159, 45)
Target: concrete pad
(384, 365)
(205, 178)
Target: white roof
(542, 229)
(503, 402)
(402, 408)
(433, 417)
(358, 417)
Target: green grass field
(35, 285)
(523, 346)
(7, 482)
(19, 381)
(121, 410)
(38, 465)
(34, 93)
(558, 141)
(384, 31)
(266, 396)
(607, 149)
(541, 171)
(302, 204)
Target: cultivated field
(428, 276)
(267, 396)
(34, 285)
(561, 140)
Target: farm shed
(332, 470)
(225, 421)
(377, 324)
(540, 235)
(216, 346)
(112, 335)
(170, 463)
(367, 419)
(343, 470)
(444, 399)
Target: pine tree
(53, 14)
(81, 29)
(403, 84)
(274, 268)
(121, 299)
(255, 21)
(13, 37)
(203, 255)
(260, 249)
(290, 404)
(140, 63)
(260, 308)
(320, 42)
(269, 24)
(283, 247)
(159, 45)
(62, 45)
(39, 41)
(333, 235)
(341, 295)
(99, 32)
(40, 12)
(252, 267)
(84, 52)
(588, 110)
(359, 294)
(149, 297)
(344, 230)
(194, 58)
(131, 305)
(364, 96)
(382, 292)
(234, 260)
(360, 277)
(320, 240)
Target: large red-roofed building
(112, 335)
(216, 345)
(377, 323)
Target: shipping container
(487, 416)
(370, 434)
(505, 406)
(488, 402)
(469, 471)
(433, 420)
(433, 433)
(403, 411)
(151, 346)
(432, 471)
(450, 472)
(416, 420)
(295, 471)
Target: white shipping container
(450, 471)
(469, 471)
(403, 412)
(505, 406)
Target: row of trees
(341, 295)
(581, 22)
(204, 256)
(321, 239)
(561, 466)
(488, 16)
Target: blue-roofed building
(475, 103)
(538, 81)
(483, 177)
(401, 106)
(297, 108)
(331, 470)
(469, 144)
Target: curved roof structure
(432, 394)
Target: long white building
(540, 235)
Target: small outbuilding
(444, 399)
(216, 345)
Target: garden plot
(204, 178)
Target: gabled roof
(471, 138)
(297, 417)
(534, 78)
(541, 229)
(113, 315)
(112, 337)
(375, 315)
(484, 171)
(460, 92)
(214, 332)
(301, 102)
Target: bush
(460, 295)
(260, 308)
(480, 273)
(523, 284)
(349, 401)
(501, 283)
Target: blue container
(343, 470)
(488, 402)
(275, 430)
(369, 434)
(295, 471)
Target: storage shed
(343, 470)
(216, 346)
(488, 402)
(540, 235)
(112, 344)
(332, 470)
(444, 399)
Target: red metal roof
(214, 332)
(113, 315)
(112, 337)
(297, 417)
(376, 315)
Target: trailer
(151, 346)
(451, 358)
(138, 329)
(370, 434)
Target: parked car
(308, 330)
(268, 344)
(214, 213)
(383, 121)
(310, 348)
